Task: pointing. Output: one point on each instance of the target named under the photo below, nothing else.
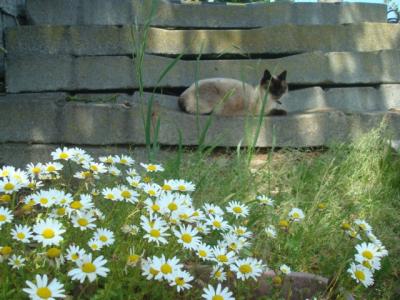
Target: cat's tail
(182, 104)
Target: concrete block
(80, 12)
(66, 73)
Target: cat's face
(277, 85)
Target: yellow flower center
(5, 198)
(222, 258)
(184, 216)
(53, 252)
(20, 235)
(321, 205)
(239, 231)
(296, 215)
(48, 233)
(151, 168)
(277, 280)
(6, 250)
(182, 188)
(86, 174)
(233, 246)
(126, 194)
(3, 218)
(362, 226)
(147, 179)
(166, 187)
(88, 267)
(153, 272)
(43, 292)
(359, 275)
(237, 209)
(76, 204)
(166, 269)
(64, 155)
(155, 233)
(202, 253)
(186, 237)
(367, 264)
(217, 297)
(60, 211)
(217, 224)
(83, 222)
(51, 168)
(110, 196)
(123, 161)
(245, 269)
(74, 256)
(368, 254)
(44, 201)
(218, 274)
(103, 238)
(155, 207)
(152, 192)
(9, 186)
(179, 281)
(172, 206)
(133, 259)
(283, 223)
(36, 170)
(94, 168)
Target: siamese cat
(231, 97)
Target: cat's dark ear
(282, 76)
(266, 77)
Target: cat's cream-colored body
(225, 96)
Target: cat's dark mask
(277, 86)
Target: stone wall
(72, 74)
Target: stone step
(49, 119)
(118, 12)
(284, 39)
(68, 73)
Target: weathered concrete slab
(76, 12)
(74, 40)
(45, 121)
(66, 73)
(279, 39)
(101, 12)
(283, 39)
(260, 14)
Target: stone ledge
(101, 12)
(283, 39)
(67, 73)
(33, 120)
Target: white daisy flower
(218, 223)
(108, 160)
(181, 280)
(112, 194)
(6, 171)
(270, 231)
(134, 181)
(156, 230)
(74, 253)
(80, 156)
(21, 233)
(131, 172)
(183, 186)
(265, 200)
(48, 232)
(361, 274)
(113, 170)
(296, 214)
(169, 203)
(133, 258)
(35, 170)
(84, 203)
(285, 269)
(167, 267)
(152, 167)
(16, 261)
(124, 160)
(212, 209)
(187, 236)
(222, 256)
(204, 251)
(151, 189)
(83, 220)
(233, 242)
(128, 194)
(105, 236)
(95, 168)
(241, 231)
(9, 186)
(88, 268)
(367, 251)
(148, 269)
(6, 215)
(55, 256)
(237, 209)
(218, 273)
(247, 268)
(44, 290)
(209, 293)
(52, 168)
(62, 154)
(363, 225)
(44, 198)
(202, 228)
(95, 244)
